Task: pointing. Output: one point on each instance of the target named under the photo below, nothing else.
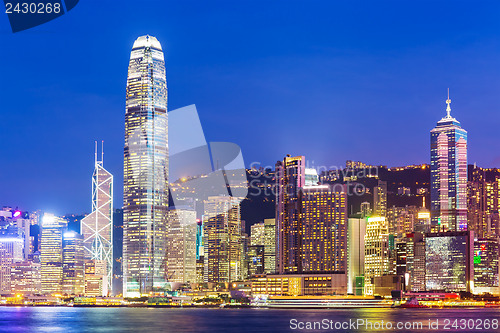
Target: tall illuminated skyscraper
(181, 254)
(449, 174)
(222, 243)
(290, 178)
(51, 254)
(323, 230)
(376, 251)
(145, 185)
(97, 227)
(269, 245)
(73, 264)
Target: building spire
(95, 153)
(448, 102)
(102, 151)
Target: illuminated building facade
(97, 227)
(449, 261)
(95, 278)
(483, 202)
(486, 268)
(423, 222)
(257, 234)
(255, 260)
(300, 285)
(51, 253)
(270, 245)
(222, 239)
(401, 220)
(181, 249)
(411, 261)
(356, 230)
(25, 277)
(145, 188)
(323, 230)
(5, 259)
(380, 199)
(377, 252)
(290, 178)
(73, 264)
(449, 174)
(244, 253)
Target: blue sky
(362, 80)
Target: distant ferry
(326, 302)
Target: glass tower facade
(448, 261)
(97, 227)
(145, 186)
(449, 175)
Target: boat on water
(413, 303)
(326, 302)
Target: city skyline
(270, 165)
(263, 75)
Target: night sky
(330, 80)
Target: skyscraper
(145, 185)
(73, 264)
(377, 261)
(97, 227)
(269, 245)
(323, 230)
(449, 261)
(380, 198)
(257, 234)
(222, 243)
(181, 254)
(356, 230)
(449, 174)
(290, 178)
(51, 254)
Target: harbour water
(67, 319)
